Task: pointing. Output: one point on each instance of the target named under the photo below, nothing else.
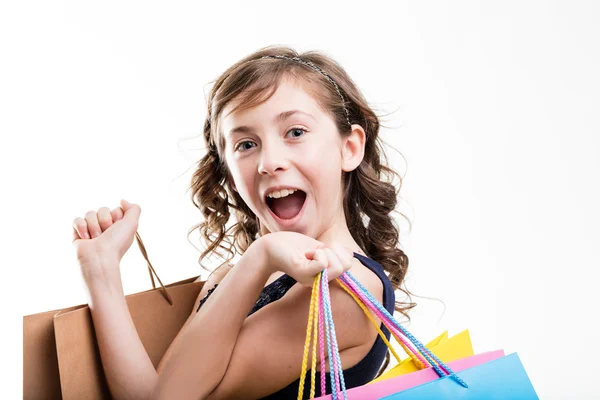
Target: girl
(293, 149)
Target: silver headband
(313, 66)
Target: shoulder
(368, 278)
(355, 328)
(268, 351)
(352, 326)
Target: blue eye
(240, 144)
(297, 129)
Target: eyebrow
(278, 118)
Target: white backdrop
(494, 106)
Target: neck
(342, 236)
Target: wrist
(258, 253)
(102, 277)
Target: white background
(493, 105)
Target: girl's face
(287, 141)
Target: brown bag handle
(151, 270)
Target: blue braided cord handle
(336, 352)
(424, 350)
(407, 334)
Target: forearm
(201, 358)
(128, 369)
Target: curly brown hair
(369, 200)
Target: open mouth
(287, 207)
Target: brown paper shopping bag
(60, 353)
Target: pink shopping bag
(403, 382)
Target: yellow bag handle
(418, 363)
(312, 332)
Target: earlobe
(353, 148)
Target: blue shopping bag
(503, 378)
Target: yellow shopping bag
(446, 349)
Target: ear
(353, 148)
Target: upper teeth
(281, 193)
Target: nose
(272, 158)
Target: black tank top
(358, 375)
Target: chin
(297, 229)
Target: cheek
(324, 173)
(246, 186)
(326, 159)
(237, 180)
(321, 153)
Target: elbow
(142, 390)
(183, 386)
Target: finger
(311, 253)
(345, 255)
(92, 224)
(316, 265)
(105, 219)
(80, 230)
(116, 214)
(335, 268)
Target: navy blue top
(360, 374)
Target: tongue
(289, 206)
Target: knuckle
(105, 220)
(79, 222)
(90, 214)
(80, 228)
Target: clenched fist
(102, 238)
(303, 257)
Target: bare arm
(268, 351)
(199, 360)
(129, 371)
(225, 354)
(203, 363)
(215, 277)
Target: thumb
(131, 213)
(311, 253)
(125, 228)
(318, 263)
(125, 205)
